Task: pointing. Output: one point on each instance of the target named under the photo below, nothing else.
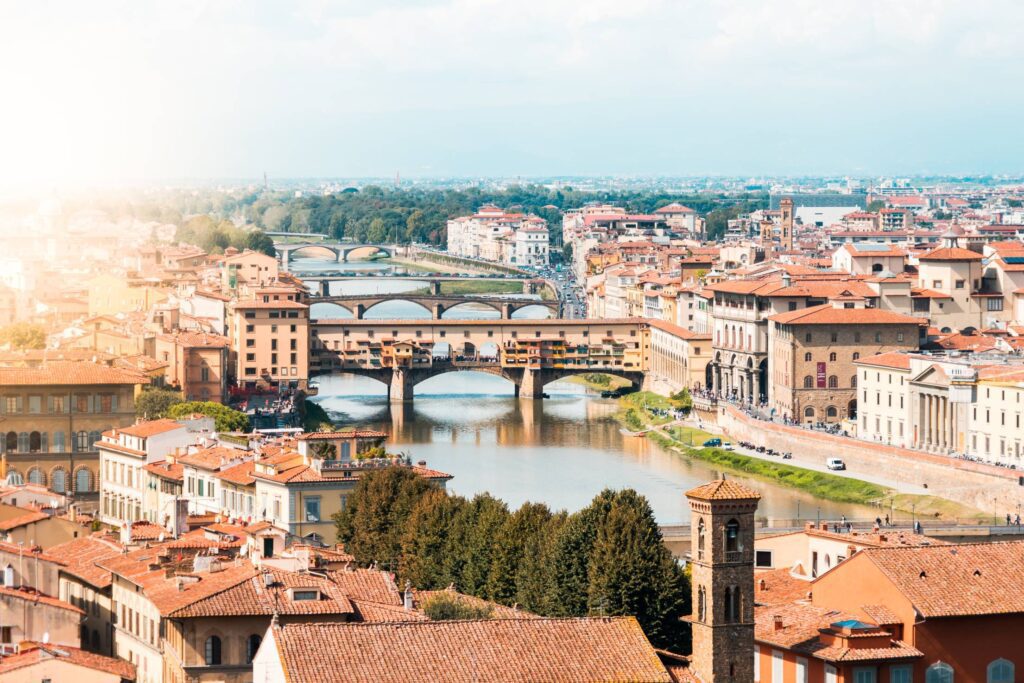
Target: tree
(224, 419)
(446, 606)
(377, 231)
(23, 336)
(509, 546)
(372, 524)
(471, 543)
(261, 242)
(631, 572)
(425, 539)
(154, 403)
(682, 399)
(536, 568)
(567, 592)
(876, 206)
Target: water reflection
(560, 451)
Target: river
(560, 451)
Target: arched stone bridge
(529, 353)
(437, 304)
(339, 251)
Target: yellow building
(110, 294)
(270, 339)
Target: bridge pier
(435, 287)
(401, 387)
(438, 311)
(506, 311)
(531, 386)
(325, 288)
(358, 311)
(285, 253)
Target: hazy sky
(108, 91)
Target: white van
(835, 464)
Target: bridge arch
(322, 310)
(528, 311)
(314, 250)
(472, 305)
(371, 249)
(396, 300)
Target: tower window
(732, 536)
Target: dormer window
(305, 594)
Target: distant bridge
(432, 283)
(339, 251)
(529, 353)
(437, 304)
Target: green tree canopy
(445, 607)
(425, 539)
(23, 336)
(154, 402)
(225, 419)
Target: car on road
(728, 446)
(835, 464)
(713, 443)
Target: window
(835, 337)
(833, 382)
(959, 284)
(807, 337)
(832, 357)
(1000, 671)
(212, 651)
(807, 357)
(995, 303)
(83, 481)
(856, 356)
(777, 662)
(732, 536)
(808, 382)
(801, 670)
(864, 675)
(808, 411)
(305, 595)
(763, 558)
(757, 664)
(939, 672)
(313, 509)
(878, 337)
(252, 644)
(700, 538)
(831, 675)
(901, 674)
(59, 481)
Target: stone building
(52, 416)
(814, 350)
(722, 580)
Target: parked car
(713, 443)
(728, 446)
(835, 464)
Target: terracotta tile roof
(240, 474)
(34, 552)
(149, 428)
(68, 373)
(252, 598)
(38, 653)
(517, 650)
(22, 520)
(81, 556)
(213, 458)
(956, 580)
(112, 445)
(368, 611)
(951, 254)
(30, 595)
(891, 359)
(201, 340)
(723, 489)
(881, 615)
(166, 470)
(367, 585)
(283, 303)
(779, 587)
(801, 626)
(827, 314)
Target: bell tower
(722, 548)
(786, 207)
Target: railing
(733, 555)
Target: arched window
(732, 536)
(83, 481)
(23, 442)
(833, 382)
(856, 355)
(8, 577)
(831, 411)
(807, 357)
(252, 643)
(808, 411)
(11, 442)
(36, 476)
(34, 442)
(732, 603)
(853, 381)
(212, 651)
(14, 478)
(702, 604)
(59, 480)
(1000, 671)
(939, 672)
(808, 382)
(832, 357)
(701, 531)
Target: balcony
(733, 555)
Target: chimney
(823, 526)
(407, 597)
(777, 622)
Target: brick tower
(722, 535)
(786, 241)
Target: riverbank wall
(980, 486)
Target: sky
(137, 90)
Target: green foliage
(876, 206)
(598, 379)
(607, 558)
(717, 221)
(224, 419)
(372, 524)
(261, 242)
(154, 403)
(214, 237)
(444, 607)
(682, 399)
(23, 336)
(315, 418)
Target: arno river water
(560, 451)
